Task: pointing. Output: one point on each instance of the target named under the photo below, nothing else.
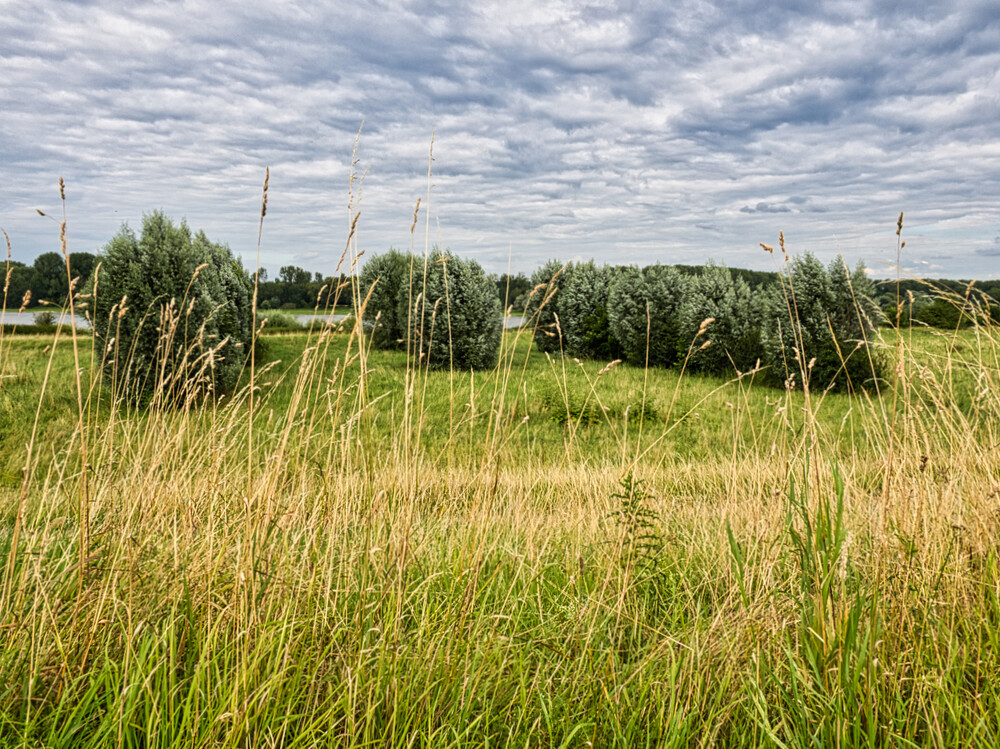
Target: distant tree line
(937, 303)
(45, 279)
(297, 288)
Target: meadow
(352, 550)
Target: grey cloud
(765, 208)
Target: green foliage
(643, 309)
(640, 540)
(17, 284)
(820, 326)
(382, 280)
(456, 320)
(734, 332)
(45, 320)
(825, 670)
(583, 312)
(565, 407)
(276, 321)
(513, 290)
(187, 323)
(943, 313)
(543, 305)
(48, 280)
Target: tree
(457, 320)
(583, 304)
(294, 274)
(819, 327)
(642, 312)
(81, 265)
(48, 281)
(172, 312)
(733, 334)
(542, 308)
(17, 282)
(513, 290)
(382, 279)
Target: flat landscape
(357, 551)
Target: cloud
(618, 130)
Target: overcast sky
(630, 132)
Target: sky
(628, 132)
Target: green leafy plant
(638, 525)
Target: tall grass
(354, 550)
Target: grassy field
(364, 553)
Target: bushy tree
(513, 290)
(48, 281)
(734, 333)
(171, 311)
(17, 283)
(543, 304)
(583, 306)
(381, 280)
(642, 312)
(820, 325)
(454, 313)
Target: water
(514, 321)
(28, 318)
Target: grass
(351, 550)
(390, 556)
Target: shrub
(456, 318)
(642, 312)
(172, 311)
(274, 321)
(583, 317)
(45, 320)
(944, 313)
(817, 328)
(734, 334)
(543, 304)
(382, 278)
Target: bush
(381, 280)
(642, 312)
(457, 320)
(734, 334)
(944, 313)
(276, 321)
(171, 311)
(45, 320)
(583, 316)
(818, 326)
(543, 304)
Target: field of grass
(357, 552)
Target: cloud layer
(624, 131)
